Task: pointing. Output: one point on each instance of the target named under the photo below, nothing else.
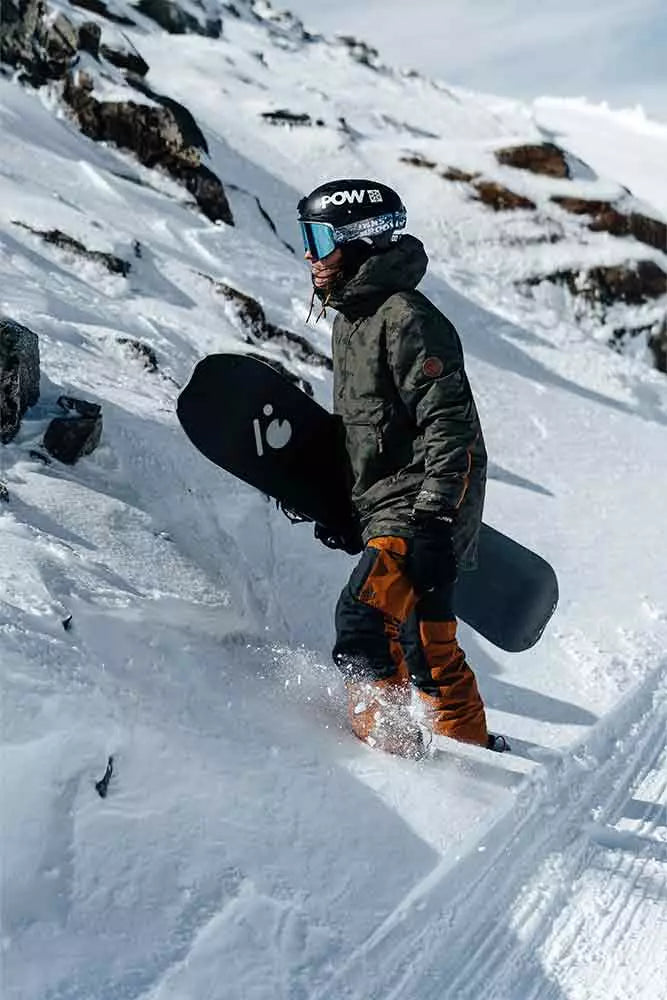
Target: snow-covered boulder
(19, 375)
(78, 433)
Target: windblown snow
(249, 848)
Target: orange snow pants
(387, 633)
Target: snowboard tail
(249, 419)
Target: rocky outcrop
(418, 160)
(258, 329)
(19, 375)
(657, 342)
(78, 433)
(100, 8)
(165, 137)
(633, 284)
(285, 117)
(125, 58)
(143, 352)
(155, 138)
(608, 218)
(41, 48)
(500, 198)
(447, 173)
(361, 52)
(461, 176)
(177, 21)
(539, 158)
(491, 193)
(113, 264)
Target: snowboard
(254, 422)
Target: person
(417, 471)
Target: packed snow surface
(249, 848)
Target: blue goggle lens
(318, 239)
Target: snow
(249, 847)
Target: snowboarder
(417, 471)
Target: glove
(349, 539)
(431, 561)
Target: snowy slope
(249, 847)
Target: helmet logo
(341, 197)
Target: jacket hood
(399, 269)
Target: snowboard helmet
(341, 211)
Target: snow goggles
(321, 238)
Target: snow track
(493, 914)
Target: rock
(361, 52)
(633, 284)
(657, 342)
(98, 7)
(606, 217)
(19, 375)
(500, 198)
(417, 160)
(113, 264)
(177, 21)
(4, 492)
(69, 438)
(191, 134)
(144, 352)
(21, 32)
(126, 59)
(154, 136)
(253, 319)
(285, 117)
(541, 158)
(44, 49)
(89, 35)
(454, 174)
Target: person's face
(326, 270)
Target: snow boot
(379, 715)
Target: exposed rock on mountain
(154, 136)
(99, 7)
(491, 193)
(164, 137)
(143, 352)
(657, 342)
(19, 375)
(633, 284)
(361, 52)
(71, 437)
(500, 198)
(454, 174)
(113, 264)
(253, 318)
(126, 58)
(285, 117)
(606, 217)
(541, 158)
(176, 20)
(44, 48)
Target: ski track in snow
(249, 849)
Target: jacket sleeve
(426, 360)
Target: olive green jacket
(412, 431)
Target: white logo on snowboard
(341, 197)
(277, 433)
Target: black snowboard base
(252, 421)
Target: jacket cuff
(434, 500)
